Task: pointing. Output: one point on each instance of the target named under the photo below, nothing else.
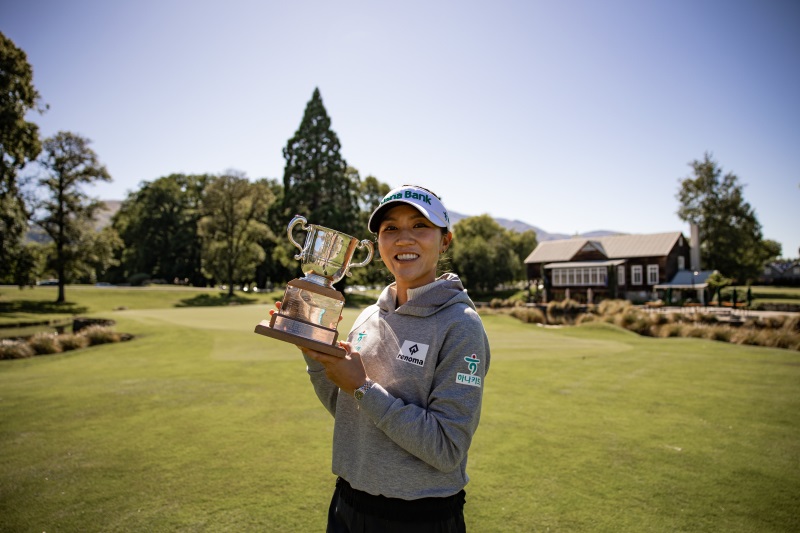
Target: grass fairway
(200, 425)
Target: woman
(407, 397)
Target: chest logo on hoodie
(413, 352)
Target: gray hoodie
(409, 436)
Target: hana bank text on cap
(426, 203)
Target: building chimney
(694, 250)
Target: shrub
(70, 341)
(100, 335)
(586, 318)
(530, 315)
(746, 336)
(45, 343)
(659, 319)
(15, 350)
(721, 333)
(641, 325)
(792, 323)
(697, 332)
(613, 307)
(781, 339)
(496, 303)
(672, 329)
(626, 318)
(140, 279)
(773, 322)
(706, 318)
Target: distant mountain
(541, 235)
(105, 213)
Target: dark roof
(614, 246)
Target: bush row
(780, 331)
(52, 343)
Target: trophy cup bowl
(311, 307)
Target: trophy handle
(295, 221)
(370, 250)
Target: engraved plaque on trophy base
(308, 317)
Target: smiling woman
(410, 388)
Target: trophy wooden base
(264, 328)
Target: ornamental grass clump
(530, 315)
(15, 350)
(100, 335)
(748, 336)
(671, 329)
(706, 318)
(719, 333)
(45, 343)
(613, 307)
(72, 341)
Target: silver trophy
(311, 307)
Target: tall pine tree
(315, 180)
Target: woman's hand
(346, 372)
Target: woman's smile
(410, 245)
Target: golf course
(198, 424)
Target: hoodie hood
(447, 290)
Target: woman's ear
(446, 240)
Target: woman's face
(410, 245)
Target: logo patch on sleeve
(470, 379)
(413, 352)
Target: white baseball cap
(424, 200)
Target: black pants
(353, 511)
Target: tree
(159, 226)
(523, 244)
(68, 165)
(315, 180)
(19, 144)
(483, 253)
(232, 226)
(371, 192)
(730, 234)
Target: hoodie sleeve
(441, 433)
(326, 391)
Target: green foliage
(19, 144)
(67, 212)
(371, 192)
(159, 227)
(730, 234)
(483, 254)
(315, 179)
(234, 211)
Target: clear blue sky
(571, 115)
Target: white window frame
(636, 275)
(621, 275)
(652, 274)
(681, 263)
(578, 277)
